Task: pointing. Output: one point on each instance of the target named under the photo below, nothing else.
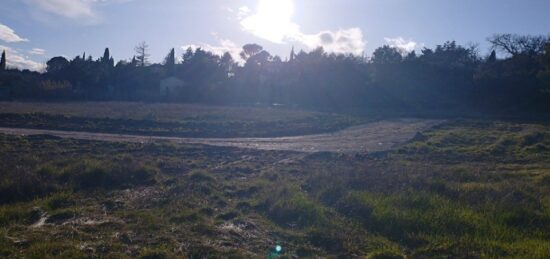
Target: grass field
(181, 120)
(467, 188)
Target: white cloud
(74, 9)
(341, 41)
(273, 21)
(37, 51)
(7, 34)
(225, 46)
(405, 46)
(14, 59)
(243, 12)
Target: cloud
(405, 46)
(8, 35)
(273, 21)
(349, 41)
(225, 46)
(73, 9)
(14, 59)
(243, 12)
(37, 51)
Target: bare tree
(513, 44)
(142, 54)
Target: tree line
(515, 77)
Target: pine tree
(3, 61)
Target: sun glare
(273, 20)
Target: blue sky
(32, 31)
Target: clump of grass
(201, 176)
(186, 216)
(147, 253)
(401, 215)
(18, 214)
(54, 249)
(289, 206)
(386, 254)
(24, 184)
(60, 200)
(228, 215)
(90, 174)
(61, 215)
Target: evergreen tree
(3, 61)
(292, 54)
(170, 62)
(492, 58)
(106, 55)
(107, 59)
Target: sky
(33, 31)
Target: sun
(272, 20)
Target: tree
(188, 55)
(513, 44)
(57, 64)
(259, 59)
(227, 63)
(134, 61)
(107, 59)
(142, 54)
(544, 75)
(411, 56)
(386, 55)
(170, 61)
(106, 55)
(3, 61)
(250, 50)
(492, 58)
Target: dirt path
(372, 137)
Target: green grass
(464, 189)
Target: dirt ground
(372, 137)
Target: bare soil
(372, 137)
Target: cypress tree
(134, 61)
(492, 58)
(107, 59)
(3, 61)
(170, 61)
(106, 55)
(292, 54)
